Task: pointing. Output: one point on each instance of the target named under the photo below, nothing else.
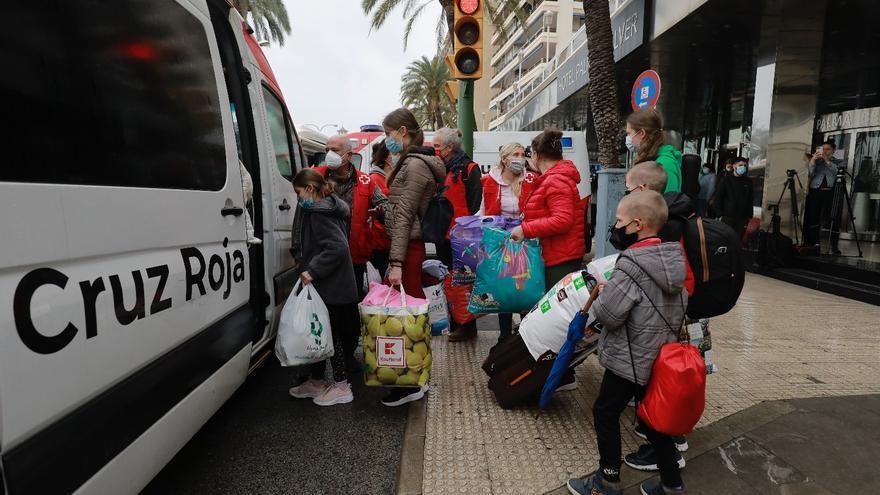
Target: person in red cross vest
(365, 201)
(504, 191)
(464, 189)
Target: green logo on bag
(579, 283)
(545, 306)
(317, 329)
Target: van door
(123, 272)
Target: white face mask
(630, 145)
(516, 165)
(333, 160)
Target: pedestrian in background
(734, 197)
(464, 189)
(365, 201)
(381, 165)
(645, 138)
(707, 189)
(320, 249)
(553, 211)
(411, 185)
(504, 191)
(817, 209)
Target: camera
(791, 172)
(528, 151)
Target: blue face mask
(741, 170)
(393, 145)
(305, 203)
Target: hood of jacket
(663, 263)
(435, 164)
(331, 205)
(376, 169)
(497, 175)
(679, 204)
(668, 152)
(458, 162)
(563, 168)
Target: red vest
(492, 193)
(360, 242)
(456, 193)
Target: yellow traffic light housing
(467, 59)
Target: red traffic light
(468, 6)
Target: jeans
(614, 395)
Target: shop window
(118, 96)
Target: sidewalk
(780, 342)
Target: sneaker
(593, 485)
(681, 443)
(568, 383)
(400, 396)
(646, 459)
(655, 487)
(309, 389)
(338, 393)
(464, 332)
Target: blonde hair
(506, 152)
(648, 206)
(650, 174)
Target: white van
(131, 303)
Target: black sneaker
(400, 395)
(681, 443)
(646, 459)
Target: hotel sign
(628, 28)
(852, 119)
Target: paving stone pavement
(780, 342)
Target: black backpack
(714, 253)
(437, 218)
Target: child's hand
(601, 287)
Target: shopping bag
(304, 333)
(466, 237)
(438, 311)
(602, 268)
(397, 338)
(371, 276)
(545, 327)
(510, 275)
(676, 394)
(458, 297)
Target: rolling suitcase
(515, 376)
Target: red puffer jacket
(553, 212)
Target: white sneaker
(338, 393)
(309, 389)
(572, 385)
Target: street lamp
(321, 128)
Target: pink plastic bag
(383, 295)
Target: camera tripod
(839, 194)
(795, 211)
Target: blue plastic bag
(510, 275)
(467, 235)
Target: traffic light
(467, 58)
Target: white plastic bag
(371, 276)
(545, 327)
(438, 311)
(304, 333)
(602, 268)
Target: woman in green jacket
(645, 138)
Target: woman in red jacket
(553, 211)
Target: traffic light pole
(466, 121)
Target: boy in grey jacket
(640, 309)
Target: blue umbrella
(563, 359)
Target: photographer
(817, 211)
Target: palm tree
(422, 90)
(379, 10)
(603, 81)
(268, 18)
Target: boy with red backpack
(639, 308)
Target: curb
(410, 470)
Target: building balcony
(549, 8)
(538, 48)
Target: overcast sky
(333, 70)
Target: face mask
(741, 170)
(630, 145)
(393, 145)
(516, 165)
(620, 239)
(306, 203)
(333, 160)
(394, 160)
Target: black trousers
(614, 395)
(555, 273)
(343, 318)
(817, 215)
(381, 260)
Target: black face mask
(618, 237)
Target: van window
(287, 155)
(109, 96)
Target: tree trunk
(603, 81)
(449, 12)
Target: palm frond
(412, 15)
